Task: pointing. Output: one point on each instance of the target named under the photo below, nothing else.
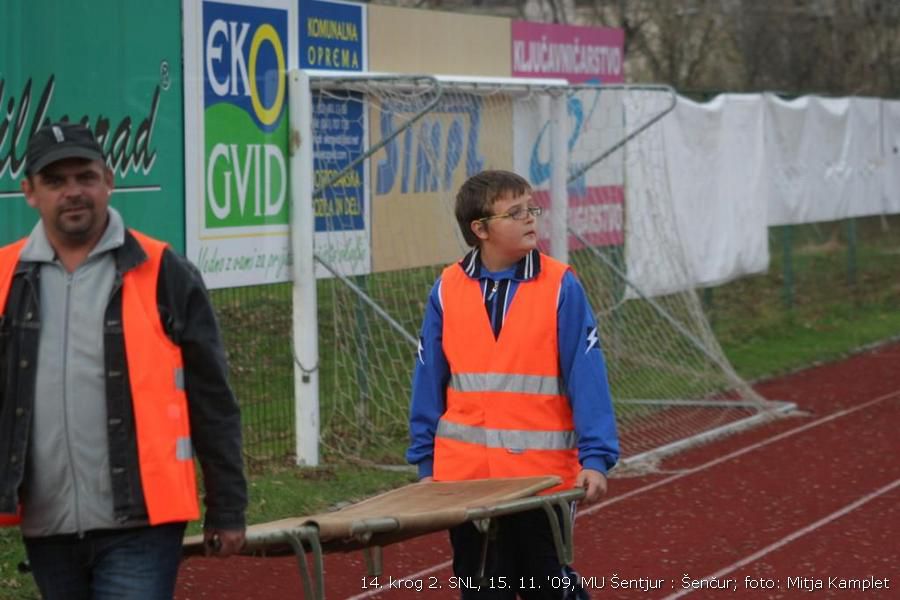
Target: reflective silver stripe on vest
(506, 382)
(183, 449)
(511, 439)
(179, 379)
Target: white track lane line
(662, 482)
(790, 538)
(741, 452)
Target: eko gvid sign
(236, 123)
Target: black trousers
(521, 560)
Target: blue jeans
(139, 563)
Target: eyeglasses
(517, 213)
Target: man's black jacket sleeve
(190, 322)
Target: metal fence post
(851, 253)
(788, 266)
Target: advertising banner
(414, 179)
(595, 123)
(122, 80)
(418, 173)
(442, 43)
(596, 198)
(333, 37)
(579, 54)
(237, 188)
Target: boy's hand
(594, 482)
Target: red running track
(806, 504)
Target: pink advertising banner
(598, 211)
(579, 54)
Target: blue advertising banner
(332, 37)
(244, 61)
(338, 139)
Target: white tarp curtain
(703, 185)
(890, 113)
(695, 192)
(824, 157)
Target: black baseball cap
(58, 141)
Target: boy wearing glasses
(510, 382)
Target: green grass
(797, 342)
(828, 316)
(12, 583)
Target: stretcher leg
(562, 535)
(313, 584)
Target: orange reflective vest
(156, 376)
(507, 414)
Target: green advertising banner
(114, 66)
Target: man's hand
(222, 542)
(594, 483)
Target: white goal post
(375, 163)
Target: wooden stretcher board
(405, 513)
(402, 513)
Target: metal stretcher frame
(370, 534)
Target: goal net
(390, 153)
